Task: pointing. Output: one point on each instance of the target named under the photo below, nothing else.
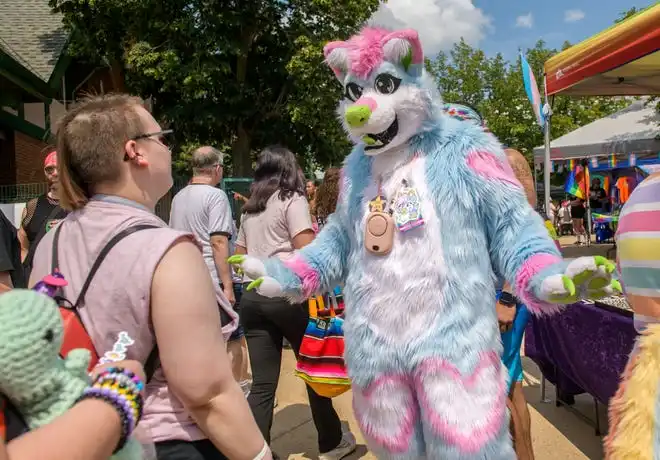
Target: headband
(51, 159)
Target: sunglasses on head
(159, 136)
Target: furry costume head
(387, 95)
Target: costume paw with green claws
(584, 278)
(256, 270)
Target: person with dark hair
(276, 222)
(326, 195)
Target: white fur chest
(400, 292)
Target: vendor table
(584, 349)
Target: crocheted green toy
(39, 383)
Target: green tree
(239, 74)
(495, 88)
(627, 14)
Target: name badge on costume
(407, 209)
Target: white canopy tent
(635, 129)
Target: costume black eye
(49, 336)
(353, 91)
(387, 84)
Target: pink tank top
(118, 300)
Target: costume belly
(412, 397)
(401, 292)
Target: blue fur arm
(520, 248)
(315, 268)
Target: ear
(403, 47)
(336, 56)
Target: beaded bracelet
(121, 389)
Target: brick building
(37, 82)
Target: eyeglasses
(159, 136)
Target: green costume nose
(357, 115)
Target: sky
(502, 26)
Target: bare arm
(240, 250)
(524, 175)
(5, 282)
(90, 430)
(303, 238)
(220, 245)
(22, 236)
(186, 321)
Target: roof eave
(19, 75)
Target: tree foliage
(242, 74)
(238, 74)
(495, 88)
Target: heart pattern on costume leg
(466, 411)
(387, 411)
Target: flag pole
(587, 186)
(546, 128)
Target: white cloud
(440, 23)
(525, 20)
(573, 15)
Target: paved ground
(557, 433)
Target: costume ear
(336, 56)
(402, 47)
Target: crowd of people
(570, 216)
(219, 347)
(170, 296)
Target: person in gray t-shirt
(203, 210)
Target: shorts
(239, 332)
(577, 212)
(512, 342)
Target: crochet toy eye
(353, 91)
(49, 335)
(387, 84)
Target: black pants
(184, 450)
(266, 321)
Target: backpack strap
(152, 362)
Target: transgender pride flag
(532, 90)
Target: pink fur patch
(465, 410)
(487, 165)
(529, 269)
(365, 50)
(387, 411)
(327, 49)
(412, 37)
(308, 276)
(368, 101)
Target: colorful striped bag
(321, 357)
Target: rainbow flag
(612, 161)
(578, 182)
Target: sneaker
(345, 447)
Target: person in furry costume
(429, 209)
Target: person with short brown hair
(153, 288)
